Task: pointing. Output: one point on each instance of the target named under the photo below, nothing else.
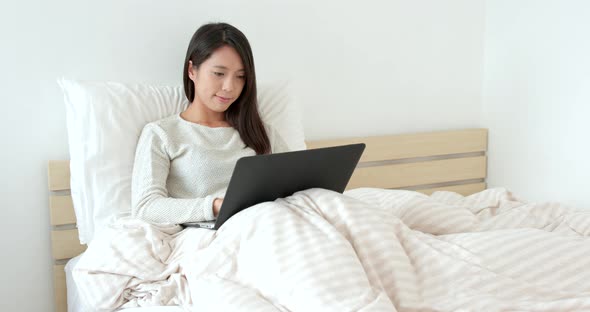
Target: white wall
(537, 98)
(357, 69)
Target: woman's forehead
(226, 58)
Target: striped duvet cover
(366, 250)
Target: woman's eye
(241, 77)
(218, 74)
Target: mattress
(75, 303)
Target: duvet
(365, 250)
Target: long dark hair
(243, 114)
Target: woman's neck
(196, 114)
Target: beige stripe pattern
(367, 250)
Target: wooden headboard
(425, 162)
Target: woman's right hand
(217, 206)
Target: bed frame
(425, 162)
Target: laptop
(263, 178)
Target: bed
(426, 162)
(416, 230)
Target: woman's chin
(221, 107)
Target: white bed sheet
(366, 250)
(154, 309)
(76, 305)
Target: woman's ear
(192, 72)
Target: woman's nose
(228, 85)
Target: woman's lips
(223, 99)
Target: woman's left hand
(217, 206)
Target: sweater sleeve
(150, 200)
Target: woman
(183, 163)
(278, 256)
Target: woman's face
(219, 80)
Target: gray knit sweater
(181, 167)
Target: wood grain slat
(394, 147)
(61, 209)
(65, 244)
(59, 286)
(58, 172)
(464, 189)
(419, 173)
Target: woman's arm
(149, 197)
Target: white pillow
(279, 110)
(104, 121)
